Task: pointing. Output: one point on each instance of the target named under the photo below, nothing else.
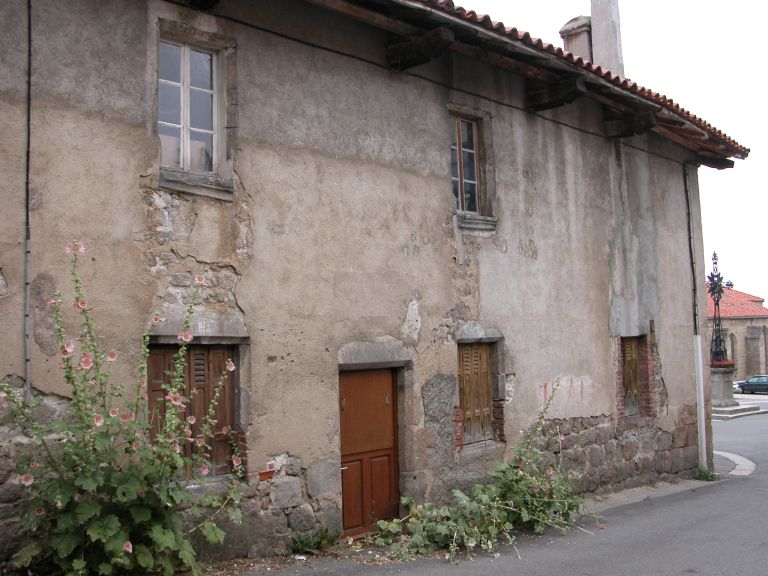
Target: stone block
(604, 433)
(181, 279)
(680, 436)
(293, 466)
(329, 515)
(665, 441)
(324, 476)
(595, 455)
(285, 492)
(302, 518)
(609, 449)
(629, 448)
(11, 492)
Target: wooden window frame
(459, 198)
(186, 89)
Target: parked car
(755, 384)
(737, 389)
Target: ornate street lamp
(718, 353)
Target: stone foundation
(613, 455)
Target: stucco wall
(340, 230)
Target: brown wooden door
(368, 449)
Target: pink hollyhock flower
(191, 420)
(156, 319)
(40, 511)
(601, 525)
(225, 429)
(128, 547)
(204, 470)
(561, 437)
(26, 479)
(128, 416)
(80, 246)
(51, 301)
(112, 355)
(177, 448)
(200, 279)
(68, 248)
(236, 461)
(80, 304)
(185, 336)
(550, 472)
(176, 399)
(136, 445)
(69, 346)
(86, 362)
(200, 442)
(535, 489)
(113, 412)
(188, 432)
(98, 420)
(230, 366)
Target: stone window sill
(198, 184)
(481, 450)
(475, 222)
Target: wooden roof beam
(554, 95)
(417, 50)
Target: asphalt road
(713, 529)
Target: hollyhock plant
(106, 487)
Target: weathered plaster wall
(340, 233)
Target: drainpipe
(701, 409)
(27, 228)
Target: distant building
(745, 320)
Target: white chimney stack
(597, 38)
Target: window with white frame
(187, 108)
(464, 164)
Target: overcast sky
(704, 55)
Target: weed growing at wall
(529, 492)
(107, 487)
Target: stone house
(414, 223)
(745, 320)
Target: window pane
(455, 184)
(200, 151)
(468, 163)
(200, 110)
(169, 103)
(454, 164)
(470, 197)
(170, 144)
(467, 135)
(170, 62)
(200, 70)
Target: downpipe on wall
(701, 409)
(27, 228)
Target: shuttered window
(475, 386)
(630, 352)
(205, 365)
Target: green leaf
(140, 514)
(65, 521)
(89, 482)
(105, 568)
(187, 554)
(103, 528)
(86, 510)
(23, 557)
(212, 533)
(143, 556)
(65, 543)
(235, 515)
(163, 538)
(102, 442)
(79, 564)
(128, 489)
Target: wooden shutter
(205, 365)
(631, 374)
(475, 391)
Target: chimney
(606, 36)
(597, 38)
(577, 37)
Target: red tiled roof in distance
(471, 17)
(735, 304)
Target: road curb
(743, 466)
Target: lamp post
(718, 353)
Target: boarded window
(475, 391)
(630, 353)
(205, 366)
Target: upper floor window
(464, 164)
(187, 108)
